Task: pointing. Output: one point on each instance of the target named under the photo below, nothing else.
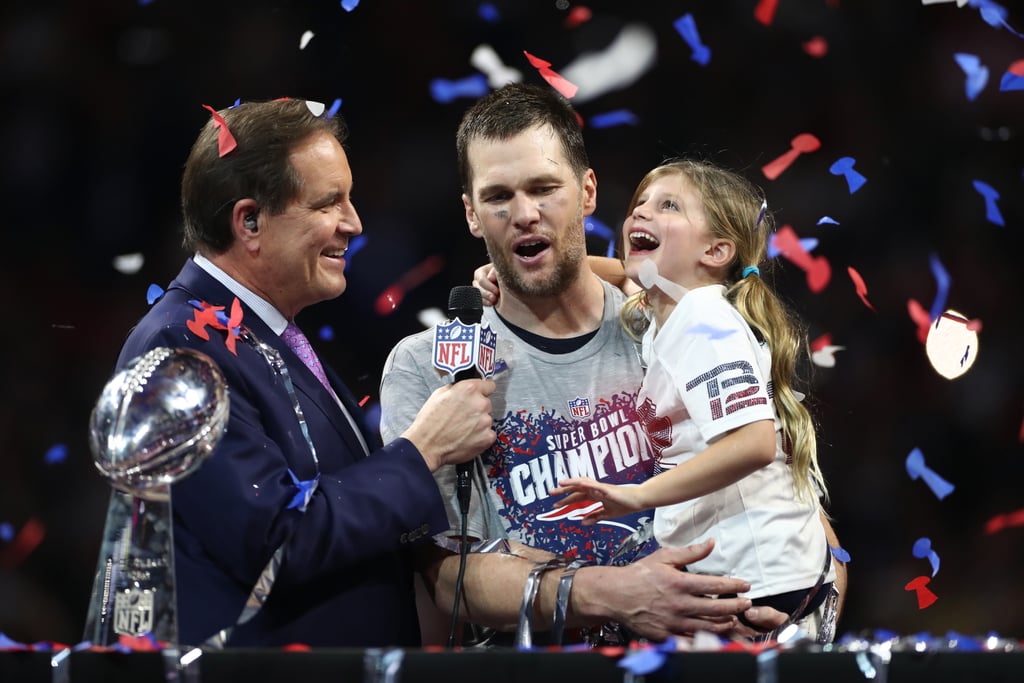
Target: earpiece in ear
(250, 222)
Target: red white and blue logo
(579, 407)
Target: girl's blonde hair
(734, 208)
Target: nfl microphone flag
(458, 347)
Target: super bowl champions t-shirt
(556, 416)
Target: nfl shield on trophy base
(154, 424)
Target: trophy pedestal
(133, 592)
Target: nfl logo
(488, 347)
(133, 612)
(455, 346)
(579, 407)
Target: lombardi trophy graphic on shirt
(155, 422)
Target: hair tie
(751, 270)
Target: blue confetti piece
(349, 5)
(238, 101)
(922, 549)
(991, 195)
(58, 453)
(306, 489)
(335, 106)
(618, 117)
(1011, 81)
(354, 245)
(488, 13)
(596, 227)
(326, 333)
(942, 287)
(840, 554)
(6, 532)
(807, 243)
(844, 166)
(444, 90)
(154, 293)
(371, 413)
(827, 219)
(687, 28)
(977, 74)
(643, 662)
(918, 470)
(993, 14)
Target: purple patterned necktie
(298, 343)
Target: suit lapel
(202, 286)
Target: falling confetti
(976, 74)
(840, 554)
(687, 28)
(992, 213)
(801, 144)
(486, 60)
(349, 5)
(554, 80)
(844, 167)
(129, 264)
(827, 220)
(923, 549)
(618, 117)
(765, 11)
(390, 298)
(1006, 520)
(1013, 79)
(56, 454)
(817, 268)
(925, 598)
(918, 470)
(862, 289)
(816, 47)
(225, 140)
(153, 294)
(444, 90)
(304, 40)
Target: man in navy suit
(299, 527)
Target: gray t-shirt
(556, 416)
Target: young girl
(736, 451)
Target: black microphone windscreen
(466, 304)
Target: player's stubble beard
(569, 249)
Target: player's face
(669, 227)
(302, 248)
(528, 206)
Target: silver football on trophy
(158, 419)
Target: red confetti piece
(363, 400)
(821, 342)
(578, 15)
(390, 298)
(805, 142)
(203, 317)
(563, 86)
(27, 540)
(1017, 68)
(818, 269)
(1008, 519)
(225, 140)
(296, 647)
(921, 318)
(816, 47)
(862, 289)
(233, 327)
(925, 598)
(765, 11)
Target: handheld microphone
(467, 305)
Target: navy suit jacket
(346, 574)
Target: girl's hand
(486, 280)
(616, 500)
